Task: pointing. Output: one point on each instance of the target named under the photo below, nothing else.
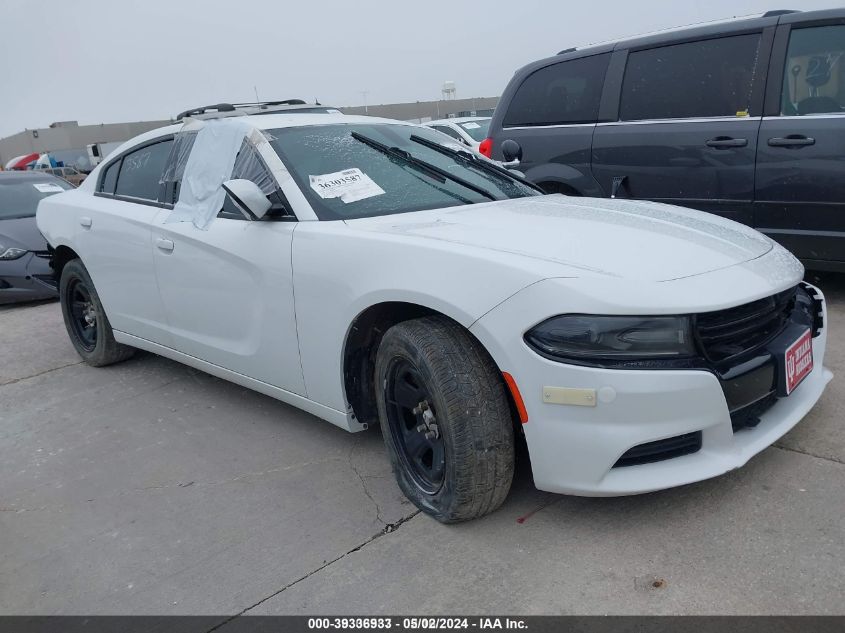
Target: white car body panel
(270, 305)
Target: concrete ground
(151, 488)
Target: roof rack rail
(774, 12)
(232, 107)
(264, 104)
(568, 50)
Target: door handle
(793, 140)
(85, 222)
(721, 142)
(165, 245)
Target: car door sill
(338, 418)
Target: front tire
(87, 324)
(445, 419)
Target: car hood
(589, 236)
(22, 233)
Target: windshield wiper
(475, 161)
(409, 158)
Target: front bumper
(574, 449)
(29, 278)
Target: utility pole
(364, 94)
(257, 100)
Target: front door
(800, 198)
(228, 296)
(687, 131)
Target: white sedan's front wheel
(445, 419)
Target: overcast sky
(111, 60)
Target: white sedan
(469, 130)
(358, 269)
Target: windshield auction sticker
(350, 185)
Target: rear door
(689, 115)
(113, 239)
(800, 197)
(552, 115)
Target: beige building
(68, 137)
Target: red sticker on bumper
(799, 361)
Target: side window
(567, 92)
(180, 151)
(141, 172)
(109, 178)
(814, 75)
(250, 166)
(709, 78)
(449, 132)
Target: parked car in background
(469, 131)
(71, 174)
(744, 118)
(637, 346)
(25, 272)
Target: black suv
(745, 118)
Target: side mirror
(512, 153)
(248, 197)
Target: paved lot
(149, 487)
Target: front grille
(725, 334)
(749, 416)
(661, 449)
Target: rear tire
(87, 324)
(445, 419)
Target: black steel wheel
(83, 315)
(85, 319)
(412, 420)
(445, 419)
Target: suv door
(687, 125)
(800, 198)
(114, 236)
(228, 290)
(551, 116)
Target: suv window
(696, 79)
(814, 75)
(141, 172)
(566, 92)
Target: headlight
(582, 337)
(12, 253)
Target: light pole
(364, 94)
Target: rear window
(567, 92)
(710, 78)
(19, 197)
(476, 129)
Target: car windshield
(358, 170)
(476, 129)
(19, 195)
